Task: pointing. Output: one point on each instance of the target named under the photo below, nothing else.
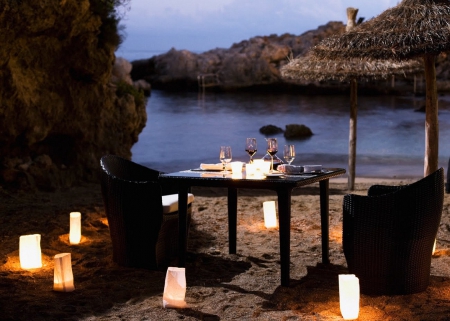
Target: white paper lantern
(250, 169)
(75, 228)
(270, 214)
(175, 288)
(349, 296)
(63, 276)
(30, 251)
(258, 164)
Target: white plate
(274, 174)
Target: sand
(220, 286)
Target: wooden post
(352, 134)
(431, 118)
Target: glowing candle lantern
(75, 228)
(174, 288)
(270, 214)
(258, 164)
(63, 276)
(30, 251)
(250, 169)
(349, 296)
(265, 167)
(236, 167)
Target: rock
(121, 71)
(57, 105)
(141, 84)
(270, 130)
(297, 131)
(249, 63)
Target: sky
(154, 27)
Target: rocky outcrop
(59, 111)
(253, 62)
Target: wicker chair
(143, 220)
(388, 236)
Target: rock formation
(253, 62)
(59, 111)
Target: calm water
(186, 129)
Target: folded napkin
(214, 167)
(290, 169)
(312, 168)
(293, 169)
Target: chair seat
(170, 202)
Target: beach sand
(220, 286)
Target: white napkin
(290, 169)
(312, 168)
(214, 167)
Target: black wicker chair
(144, 231)
(388, 236)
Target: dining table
(282, 184)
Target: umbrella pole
(352, 134)
(431, 118)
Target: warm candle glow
(75, 228)
(236, 167)
(63, 276)
(434, 247)
(30, 251)
(270, 214)
(265, 167)
(250, 169)
(349, 296)
(175, 288)
(258, 163)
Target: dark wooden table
(283, 186)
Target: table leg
(232, 219)
(325, 219)
(284, 220)
(182, 224)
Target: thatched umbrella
(413, 28)
(313, 68)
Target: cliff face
(58, 111)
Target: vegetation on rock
(56, 100)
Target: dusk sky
(154, 27)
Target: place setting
(258, 168)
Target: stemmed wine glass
(225, 156)
(272, 149)
(289, 153)
(250, 148)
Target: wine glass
(250, 148)
(225, 156)
(289, 153)
(272, 149)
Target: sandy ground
(245, 286)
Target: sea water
(186, 129)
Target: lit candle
(270, 214)
(349, 296)
(30, 251)
(250, 169)
(258, 164)
(63, 276)
(75, 228)
(174, 288)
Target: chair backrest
(133, 206)
(388, 236)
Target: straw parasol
(312, 68)
(413, 28)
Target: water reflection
(185, 129)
